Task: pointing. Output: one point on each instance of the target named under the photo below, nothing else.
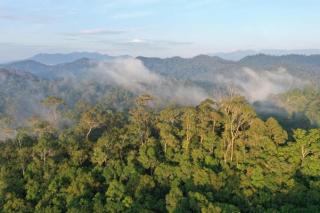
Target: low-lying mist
(260, 85)
(91, 86)
(131, 75)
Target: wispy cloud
(156, 42)
(10, 15)
(116, 3)
(99, 31)
(94, 32)
(131, 15)
(179, 42)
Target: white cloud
(148, 42)
(137, 41)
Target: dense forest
(160, 135)
(217, 156)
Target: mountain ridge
(201, 67)
(240, 54)
(61, 58)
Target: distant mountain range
(240, 54)
(201, 68)
(49, 71)
(60, 58)
(48, 66)
(207, 68)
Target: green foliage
(215, 157)
(302, 105)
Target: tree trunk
(89, 132)
(20, 144)
(232, 148)
(23, 170)
(44, 159)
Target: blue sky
(156, 27)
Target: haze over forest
(159, 106)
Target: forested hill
(200, 67)
(186, 68)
